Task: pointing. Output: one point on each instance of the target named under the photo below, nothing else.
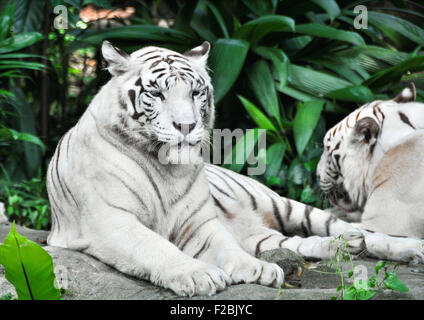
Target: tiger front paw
(197, 278)
(244, 268)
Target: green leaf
(274, 158)
(393, 74)
(392, 282)
(330, 6)
(19, 41)
(323, 31)
(364, 294)
(379, 265)
(29, 16)
(393, 23)
(27, 137)
(28, 267)
(256, 29)
(6, 19)
(314, 82)
(226, 61)
(257, 115)
(262, 84)
(359, 94)
(219, 19)
(350, 293)
(279, 61)
(305, 121)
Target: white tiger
(372, 167)
(192, 228)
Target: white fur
(386, 185)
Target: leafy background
(294, 68)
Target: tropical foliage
(291, 67)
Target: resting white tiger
(373, 166)
(193, 228)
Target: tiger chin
(372, 168)
(121, 188)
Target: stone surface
(88, 278)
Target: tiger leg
(120, 240)
(310, 247)
(211, 242)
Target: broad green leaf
(393, 74)
(28, 267)
(305, 121)
(19, 41)
(338, 67)
(27, 137)
(6, 19)
(20, 56)
(314, 82)
(365, 294)
(323, 31)
(296, 94)
(330, 6)
(226, 61)
(359, 94)
(399, 25)
(392, 282)
(274, 158)
(257, 115)
(29, 16)
(256, 29)
(262, 84)
(279, 61)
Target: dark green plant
(20, 148)
(26, 202)
(362, 289)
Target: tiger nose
(184, 128)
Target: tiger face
(352, 149)
(165, 99)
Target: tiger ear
(409, 94)
(199, 55)
(117, 59)
(366, 130)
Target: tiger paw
(394, 248)
(197, 278)
(408, 250)
(244, 268)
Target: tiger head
(353, 147)
(165, 99)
